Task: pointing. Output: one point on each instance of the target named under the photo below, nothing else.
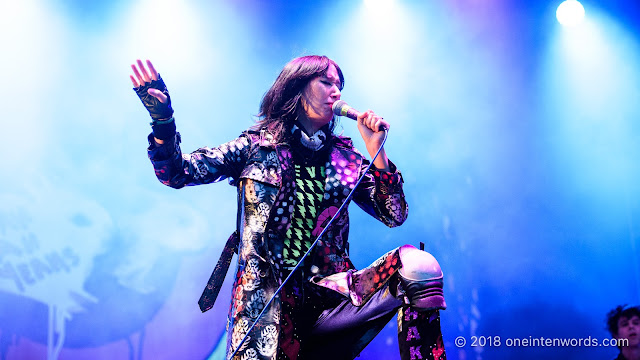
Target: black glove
(157, 109)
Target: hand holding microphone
(372, 128)
(370, 119)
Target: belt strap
(210, 293)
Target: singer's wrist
(386, 168)
(164, 129)
(382, 162)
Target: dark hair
(282, 102)
(621, 311)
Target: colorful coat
(264, 175)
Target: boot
(423, 294)
(421, 279)
(419, 334)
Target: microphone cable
(300, 262)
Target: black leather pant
(331, 327)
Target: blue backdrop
(517, 139)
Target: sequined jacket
(264, 175)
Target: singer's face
(318, 96)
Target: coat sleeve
(203, 166)
(380, 194)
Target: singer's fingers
(133, 80)
(380, 125)
(154, 73)
(371, 119)
(137, 74)
(143, 70)
(366, 116)
(158, 95)
(385, 124)
(374, 123)
(362, 116)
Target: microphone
(341, 108)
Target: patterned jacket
(264, 175)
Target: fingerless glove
(162, 124)
(157, 109)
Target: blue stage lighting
(378, 4)
(570, 13)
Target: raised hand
(151, 90)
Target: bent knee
(418, 264)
